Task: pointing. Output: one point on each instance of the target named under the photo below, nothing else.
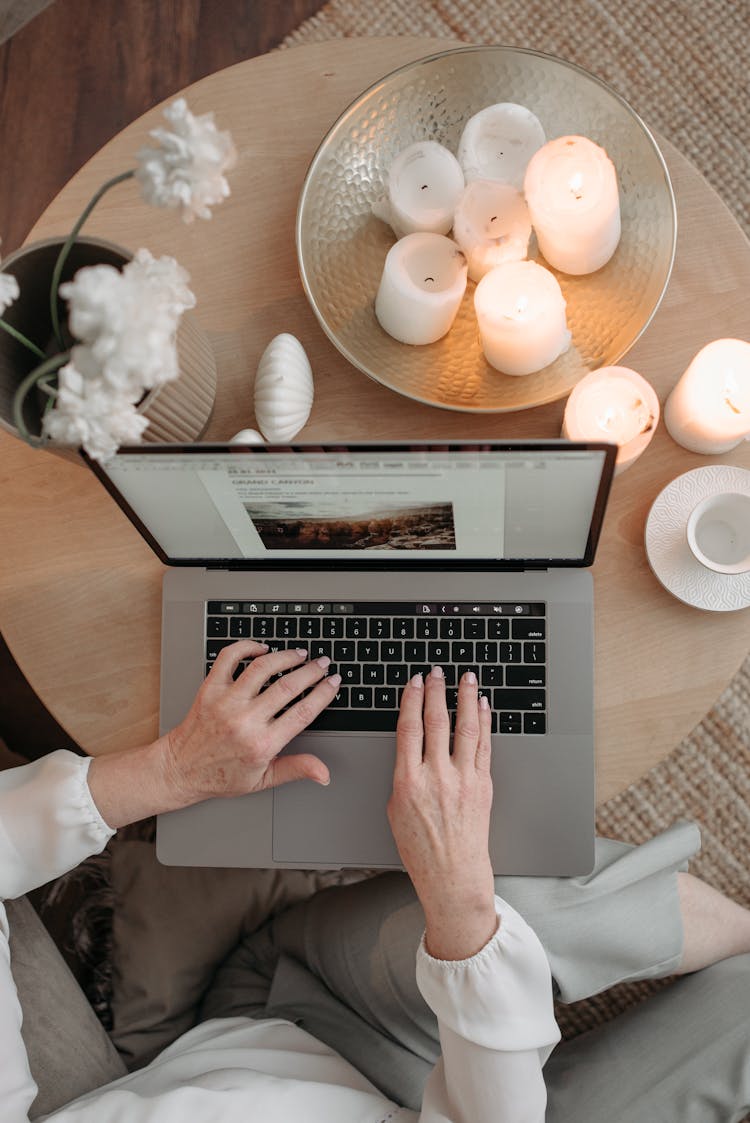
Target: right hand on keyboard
(230, 740)
(440, 813)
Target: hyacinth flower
(126, 320)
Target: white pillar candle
(491, 225)
(498, 142)
(521, 314)
(709, 409)
(571, 190)
(425, 182)
(613, 404)
(423, 283)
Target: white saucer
(666, 541)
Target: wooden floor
(69, 80)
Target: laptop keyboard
(376, 647)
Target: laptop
(389, 558)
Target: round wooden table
(80, 589)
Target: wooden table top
(80, 590)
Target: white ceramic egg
(247, 437)
(283, 389)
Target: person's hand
(230, 740)
(440, 813)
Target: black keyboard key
(380, 629)
(509, 722)
(344, 650)
(491, 674)
(361, 696)
(367, 651)
(451, 697)
(474, 629)
(426, 628)
(239, 627)
(486, 652)
(356, 627)
(385, 698)
(534, 652)
(422, 669)
(252, 608)
(228, 607)
(286, 628)
(274, 608)
(353, 721)
(298, 608)
(309, 627)
(341, 698)
(462, 652)
(503, 699)
(217, 626)
(463, 669)
(525, 676)
(495, 721)
(529, 628)
(320, 647)
(351, 674)
(415, 651)
(214, 646)
(332, 627)
(263, 628)
(319, 608)
(208, 667)
(438, 653)
(534, 723)
(450, 629)
(373, 674)
(509, 653)
(213, 608)
(392, 651)
(341, 606)
(396, 674)
(403, 629)
(498, 629)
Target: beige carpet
(684, 67)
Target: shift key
(517, 699)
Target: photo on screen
(299, 526)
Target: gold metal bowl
(341, 246)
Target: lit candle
(491, 225)
(709, 409)
(498, 142)
(425, 182)
(571, 190)
(613, 404)
(423, 283)
(521, 314)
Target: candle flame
(576, 185)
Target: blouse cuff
(48, 821)
(500, 998)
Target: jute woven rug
(684, 67)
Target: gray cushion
(69, 1051)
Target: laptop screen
(511, 503)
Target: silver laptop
(389, 558)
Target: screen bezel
(367, 447)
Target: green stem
(63, 255)
(48, 367)
(21, 338)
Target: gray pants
(342, 966)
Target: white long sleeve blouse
(494, 1011)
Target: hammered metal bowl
(341, 246)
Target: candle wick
(429, 279)
(522, 304)
(731, 405)
(424, 187)
(576, 185)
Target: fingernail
(334, 680)
(263, 645)
(471, 678)
(323, 661)
(484, 702)
(301, 651)
(437, 672)
(417, 682)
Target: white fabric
(494, 1011)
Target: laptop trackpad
(345, 823)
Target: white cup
(718, 532)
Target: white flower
(8, 291)
(88, 413)
(187, 171)
(127, 321)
